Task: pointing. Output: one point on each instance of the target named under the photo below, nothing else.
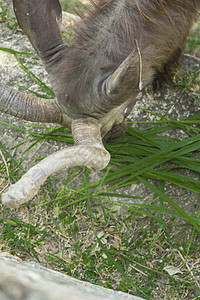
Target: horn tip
(9, 199)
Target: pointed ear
(126, 81)
(40, 20)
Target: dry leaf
(171, 270)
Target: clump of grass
(72, 6)
(189, 81)
(20, 237)
(9, 22)
(193, 41)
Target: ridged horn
(29, 107)
(88, 151)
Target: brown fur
(107, 36)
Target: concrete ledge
(30, 281)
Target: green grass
(193, 41)
(100, 231)
(71, 5)
(9, 21)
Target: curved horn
(89, 151)
(40, 20)
(29, 107)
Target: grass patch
(189, 81)
(6, 19)
(71, 5)
(193, 41)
